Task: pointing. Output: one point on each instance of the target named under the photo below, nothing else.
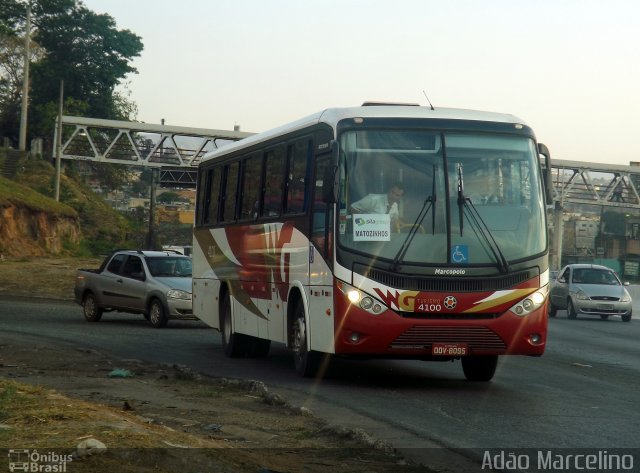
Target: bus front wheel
(479, 368)
(306, 361)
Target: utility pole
(59, 141)
(151, 236)
(25, 84)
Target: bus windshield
(466, 198)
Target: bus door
(320, 294)
(320, 234)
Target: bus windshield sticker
(460, 254)
(371, 227)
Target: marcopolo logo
(450, 302)
(36, 462)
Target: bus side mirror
(546, 169)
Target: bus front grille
(445, 284)
(477, 338)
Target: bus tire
(234, 345)
(306, 361)
(479, 368)
(553, 310)
(260, 347)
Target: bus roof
(331, 116)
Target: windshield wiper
(429, 204)
(478, 225)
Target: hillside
(33, 223)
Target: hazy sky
(568, 68)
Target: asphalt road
(583, 393)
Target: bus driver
(382, 204)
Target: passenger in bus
(381, 203)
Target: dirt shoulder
(41, 276)
(55, 398)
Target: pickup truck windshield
(169, 266)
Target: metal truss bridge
(176, 150)
(607, 185)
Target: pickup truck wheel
(92, 312)
(157, 317)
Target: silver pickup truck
(156, 284)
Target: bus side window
(204, 185)
(213, 202)
(251, 188)
(230, 192)
(273, 183)
(297, 175)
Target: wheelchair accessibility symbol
(460, 254)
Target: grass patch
(13, 193)
(7, 395)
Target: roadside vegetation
(12, 192)
(69, 43)
(103, 228)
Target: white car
(589, 289)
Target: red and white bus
(285, 250)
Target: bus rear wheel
(235, 345)
(306, 361)
(479, 368)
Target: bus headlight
(361, 299)
(530, 303)
(354, 296)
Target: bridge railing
(598, 184)
(141, 144)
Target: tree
(168, 197)
(11, 73)
(84, 49)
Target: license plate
(605, 306)
(449, 349)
